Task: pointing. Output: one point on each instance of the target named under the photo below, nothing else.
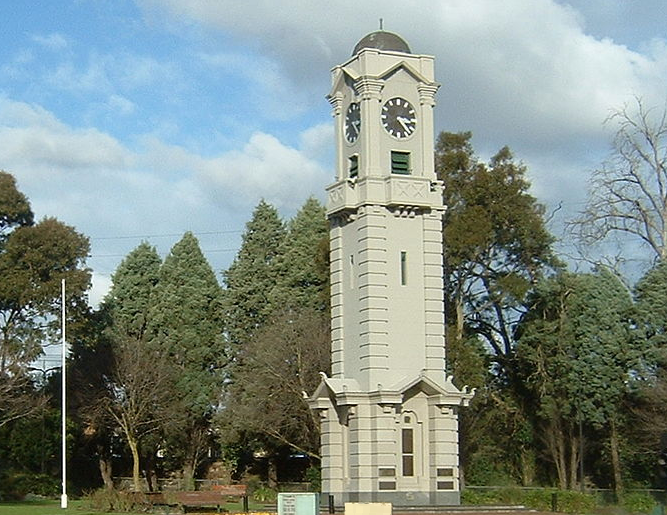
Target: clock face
(398, 117)
(352, 122)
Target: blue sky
(142, 119)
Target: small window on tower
(404, 268)
(354, 166)
(400, 162)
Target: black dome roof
(382, 40)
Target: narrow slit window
(400, 163)
(404, 268)
(351, 270)
(353, 170)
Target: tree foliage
(15, 209)
(34, 259)
(277, 369)
(577, 354)
(186, 326)
(301, 264)
(650, 402)
(133, 282)
(275, 302)
(496, 244)
(250, 279)
(185, 322)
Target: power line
(100, 256)
(166, 235)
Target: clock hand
(404, 122)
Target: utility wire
(168, 235)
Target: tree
(276, 300)
(628, 193)
(650, 402)
(250, 279)
(34, 259)
(14, 206)
(138, 395)
(577, 355)
(127, 303)
(301, 267)
(496, 247)
(277, 368)
(122, 318)
(496, 244)
(185, 324)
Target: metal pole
(63, 497)
(581, 454)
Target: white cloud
(101, 284)
(266, 168)
(53, 41)
(34, 138)
(317, 142)
(108, 74)
(263, 168)
(520, 69)
(120, 105)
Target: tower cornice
(369, 88)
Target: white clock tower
(388, 412)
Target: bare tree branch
(628, 193)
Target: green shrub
(575, 502)
(106, 499)
(638, 502)
(314, 477)
(264, 494)
(536, 499)
(16, 486)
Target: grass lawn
(52, 507)
(47, 507)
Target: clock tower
(389, 413)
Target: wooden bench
(217, 497)
(197, 498)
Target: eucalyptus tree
(34, 259)
(496, 244)
(496, 247)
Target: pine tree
(302, 267)
(127, 302)
(186, 325)
(251, 278)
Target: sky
(138, 120)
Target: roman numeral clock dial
(399, 118)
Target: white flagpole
(63, 497)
